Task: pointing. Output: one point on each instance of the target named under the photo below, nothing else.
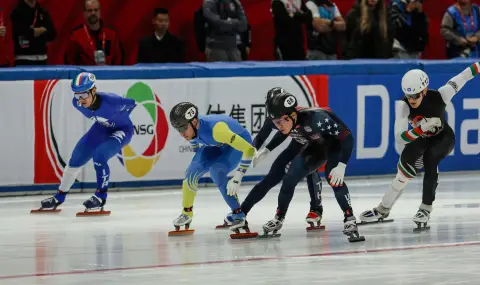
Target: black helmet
(283, 104)
(182, 114)
(272, 93)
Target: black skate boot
(51, 204)
(96, 202)
(350, 229)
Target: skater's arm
(277, 140)
(263, 134)
(329, 125)
(456, 83)
(402, 134)
(195, 145)
(223, 134)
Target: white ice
(132, 247)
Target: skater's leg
(407, 170)
(298, 170)
(200, 165)
(342, 194)
(101, 155)
(314, 184)
(81, 154)
(224, 164)
(273, 177)
(315, 213)
(439, 148)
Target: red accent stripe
(476, 68)
(407, 134)
(335, 253)
(304, 79)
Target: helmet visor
(414, 96)
(181, 128)
(83, 95)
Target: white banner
(17, 131)
(157, 151)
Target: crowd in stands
(371, 29)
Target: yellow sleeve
(223, 134)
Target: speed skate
(94, 212)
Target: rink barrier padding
(361, 92)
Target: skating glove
(234, 184)
(337, 174)
(429, 124)
(260, 155)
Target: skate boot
(96, 202)
(273, 226)
(51, 204)
(314, 217)
(230, 219)
(237, 221)
(376, 215)
(185, 219)
(350, 229)
(422, 217)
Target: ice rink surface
(132, 247)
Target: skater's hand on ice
(337, 174)
(259, 156)
(234, 184)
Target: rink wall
(40, 127)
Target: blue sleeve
(126, 105)
(327, 124)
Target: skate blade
(181, 233)
(375, 222)
(356, 239)
(421, 229)
(93, 213)
(44, 211)
(243, 235)
(315, 228)
(266, 235)
(222, 227)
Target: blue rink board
(345, 78)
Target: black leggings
(304, 164)
(434, 149)
(276, 174)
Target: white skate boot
(422, 217)
(376, 215)
(182, 220)
(350, 229)
(273, 226)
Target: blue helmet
(83, 82)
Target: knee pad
(405, 168)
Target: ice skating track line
(253, 259)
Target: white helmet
(414, 82)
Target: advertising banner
(157, 151)
(367, 105)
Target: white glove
(259, 156)
(234, 184)
(429, 124)
(337, 174)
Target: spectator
(225, 19)
(93, 43)
(244, 41)
(324, 30)
(160, 46)
(32, 29)
(411, 28)
(4, 60)
(369, 33)
(288, 17)
(460, 29)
